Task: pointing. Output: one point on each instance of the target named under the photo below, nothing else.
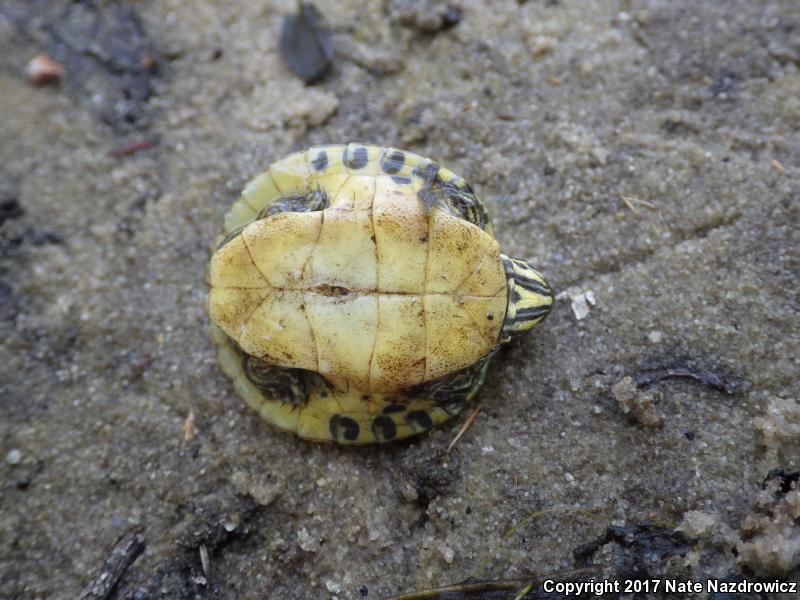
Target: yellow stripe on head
(529, 298)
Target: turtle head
(529, 298)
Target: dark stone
(305, 45)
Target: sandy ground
(647, 152)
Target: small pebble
(580, 306)
(542, 45)
(42, 70)
(447, 553)
(14, 457)
(580, 302)
(230, 523)
(117, 521)
(305, 44)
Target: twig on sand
(464, 427)
(122, 555)
(728, 385)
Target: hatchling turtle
(358, 294)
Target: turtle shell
(379, 291)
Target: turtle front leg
(242, 213)
(311, 201)
(285, 186)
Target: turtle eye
(529, 297)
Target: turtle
(357, 294)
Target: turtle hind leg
(420, 408)
(453, 392)
(278, 394)
(304, 403)
(281, 384)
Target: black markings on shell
(358, 159)
(384, 428)
(392, 162)
(428, 173)
(344, 428)
(419, 420)
(429, 199)
(321, 162)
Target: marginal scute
(446, 175)
(260, 192)
(419, 420)
(392, 161)
(384, 428)
(331, 183)
(292, 174)
(281, 414)
(249, 393)
(230, 360)
(320, 160)
(344, 428)
(410, 161)
(361, 159)
(312, 424)
(333, 163)
(240, 214)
